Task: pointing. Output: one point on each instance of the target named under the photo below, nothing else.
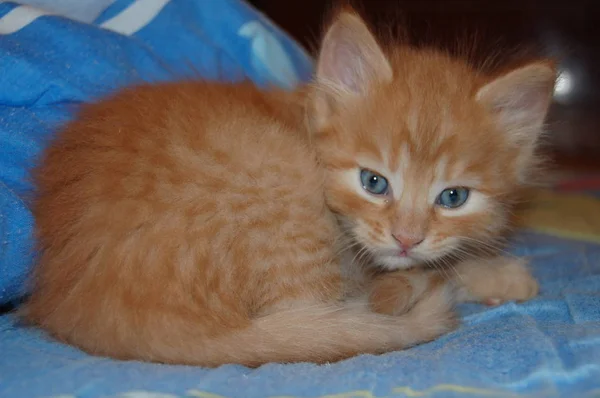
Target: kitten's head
(423, 153)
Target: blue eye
(373, 183)
(451, 198)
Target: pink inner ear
(350, 56)
(520, 98)
(529, 98)
(350, 63)
(340, 65)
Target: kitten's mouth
(397, 260)
(402, 253)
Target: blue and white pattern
(80, 10)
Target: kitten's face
(422, 155)
(413, 180)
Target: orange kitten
(425, 159)
(186, 223)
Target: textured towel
(548, 347)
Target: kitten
(186, 223)
(425, 159)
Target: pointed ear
(349, 63)
(350, 57)
(520, 99)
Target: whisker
(449, 264)
(495, 246)
(366, 254)
(358, 256)
(436, 264)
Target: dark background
(568, 30)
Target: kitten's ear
(520, 100)
(350, 57)
(349, 63)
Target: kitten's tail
(327, 333)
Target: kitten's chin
(393, 263)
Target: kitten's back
(166, 193)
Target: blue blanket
(548, 347)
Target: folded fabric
(50, 63)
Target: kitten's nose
(407, 242)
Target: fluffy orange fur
(425, 122)
(201, 223)
(186, 223)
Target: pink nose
(407, 242)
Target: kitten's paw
(514, 282)
(505, 279)
(391, 294)
(395, 293)
(425, 298)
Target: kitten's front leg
(495, 280)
